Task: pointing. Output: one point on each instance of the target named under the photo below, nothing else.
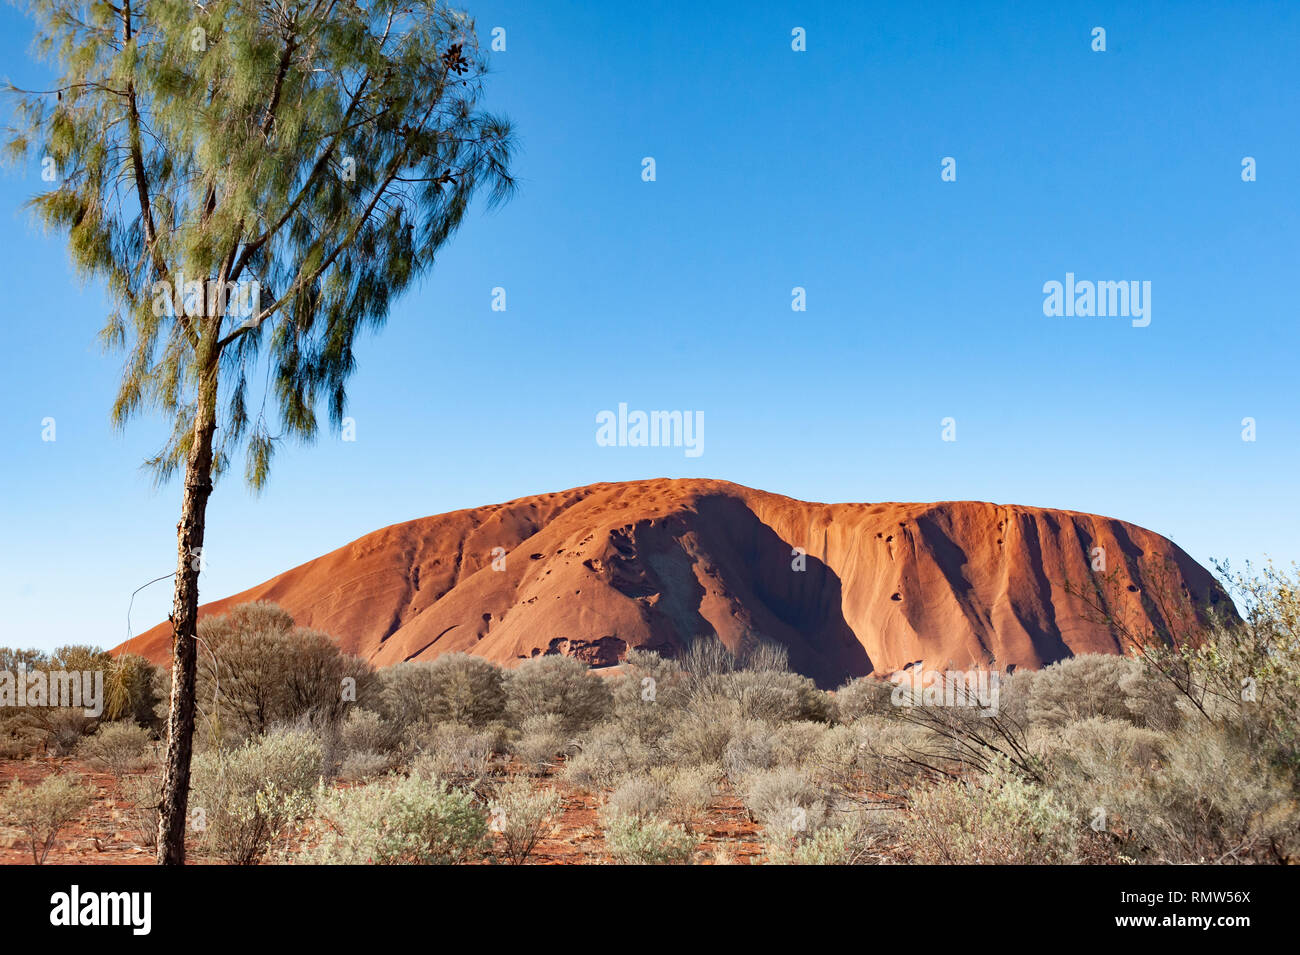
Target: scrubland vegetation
(305, 755)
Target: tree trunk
(185, 613)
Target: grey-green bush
(542, 740)
(248, 795)
(649, 841)
(1113, 687)
(455, 753)
(557, 685)
(257, 670)
(688, 790)
(606, 754)
(639, 797)
(751, 747)
(521, 816)
(121, 748)
(399, 821)
(42, 811)
(998, 818)
(865, 696)
(785, 803)
(452, 688)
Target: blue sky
(774, 169)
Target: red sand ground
(103, 835)
(100, 837)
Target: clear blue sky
(775, 169)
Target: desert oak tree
(253, 182)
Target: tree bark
(174, 805)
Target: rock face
(593, 571)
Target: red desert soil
(104, 835)
(593, 571)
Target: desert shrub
(708, 660)
(785, 803)
(56, 729)
(604, 755)
(1087, 760)
(795, 743)
(869, 762)
(1227, 788)
(127, 692)
(865, 696)
(13, 743)
(638, 797)
(120, 747)
(452, 688)
(405, 694)
(241, 662)
(702, 732)
(143, 793)
(454, 753)
(320, 726)
(999, 818)
(647, 696)
(1095, 767)
(843, 844)
(11, 658)
(364, 744)
(975, 737)
(666, 685)
(1212, 801)
(751, 747)
(875, 756)
(688, 790)
(316, 682)
(400, 821)
(61, 729)
(1151, 701)
(703, 666)
(542, 739)
(776, 696)
(560, 686)
(1112, 687)
(80, 657)
(521, 816)
(257, 670)
(469, 689)
(757, 679)
(649, 841)
(501, 734)
(19, 735)
(1014, 691)
(360, 764)
(131, 686)
(839, 761)
(42, 811)
(248, 795)
(1243, 676)
(366, 730)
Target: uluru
(848, 589)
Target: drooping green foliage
(255, 182)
